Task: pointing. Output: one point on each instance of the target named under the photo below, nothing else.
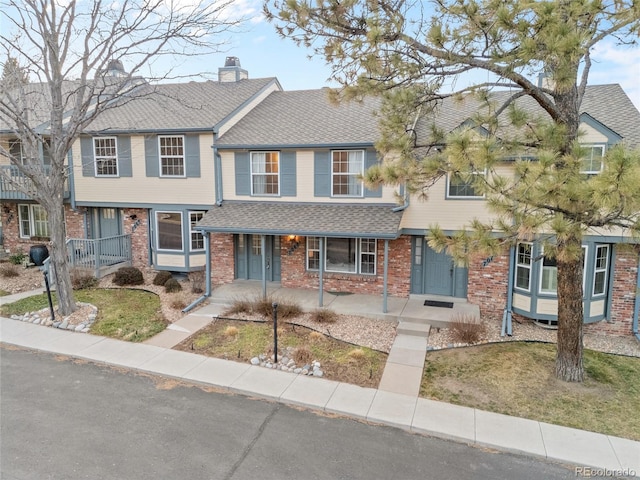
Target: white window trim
(596, 270)
(21, 158)
(158, 212)
(584, 277)
(183, 156)
(333, 174)
(31, 220)
(191, 231)
(252, 174)
(312, 250)
(359, 254)
(604, 151)
(96, 158)
(448, 196)
(523, 265)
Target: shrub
(161, 278)
(18, 258)
(172, 285)
(324, 315)
(197, 281)
(263, 306)
(128, 276)
(178, 304)
(357, 354)
(9, 270)
(302, 355)
(467, 329)
(288, 310)
(238, 306)
(81, 279)
(316, 336)
(231, 331)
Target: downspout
(72, 183)
(636, 310)
(402, 207)
(385, 277)
(320, 277)
(506, 316)
(207, 270)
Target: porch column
(320, 279)
(263, 248)
(385, 276)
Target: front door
(249, 257)
(106, 223)
(435, 273)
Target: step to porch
(412, 328)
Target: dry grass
(357, 354)
(9, 270)
(517, 379)
(324, 315)
(316, 336)
(467, 329)
(302, 355)
(231, 331)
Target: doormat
(436, 303)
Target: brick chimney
(231, 72)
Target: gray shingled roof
(305, 117)
(179, 106)
(608, 104)
(330, 220)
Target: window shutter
(86, 156)
(243, 173)
(124, 157)
(151, 158)
(371, 159)
(192, 155)
(288, 174)
(322, 174)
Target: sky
(264, 54)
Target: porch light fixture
(293, 244)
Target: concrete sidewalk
(471, 426)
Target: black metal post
(275, 331)
(46, 283)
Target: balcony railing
(11, 178)
(99, 254)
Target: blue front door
(249, 257)
(434, 273)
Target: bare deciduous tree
(69, 49)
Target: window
(592, 161)
(16, 151)
(600, 269)
(265, 173)
(169, 230)
(549, 277)
(171, 156)
(197, 240)
(106, 157)
(347, 168)
(462, 186)
(350, 255)
(313, 253)
(33, 221)
(523, 266)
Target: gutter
(207, 275)
(406, 200)
(636, 310)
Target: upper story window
(33, 221)
(106, 156)
(265, 173)
(592, 162)
(347, 168)
(462, 186)
(15, 150)
(523, 266)
(171, 156)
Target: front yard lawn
(125, 314)
(516, 378)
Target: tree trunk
(569, 366)
(62, 278)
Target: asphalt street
(66, 419)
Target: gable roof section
(304, 118)
(180, 106)
(323, 220)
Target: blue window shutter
(288, 174)
(124, 157)
(322, 174)
(243, 173)
(86, 156)
(192, 155)
(371, 159)
(151, 158)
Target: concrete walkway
(407, 412)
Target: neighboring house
(267, 185)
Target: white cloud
(617, 64)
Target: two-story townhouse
(291, 188)
(143, 172)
